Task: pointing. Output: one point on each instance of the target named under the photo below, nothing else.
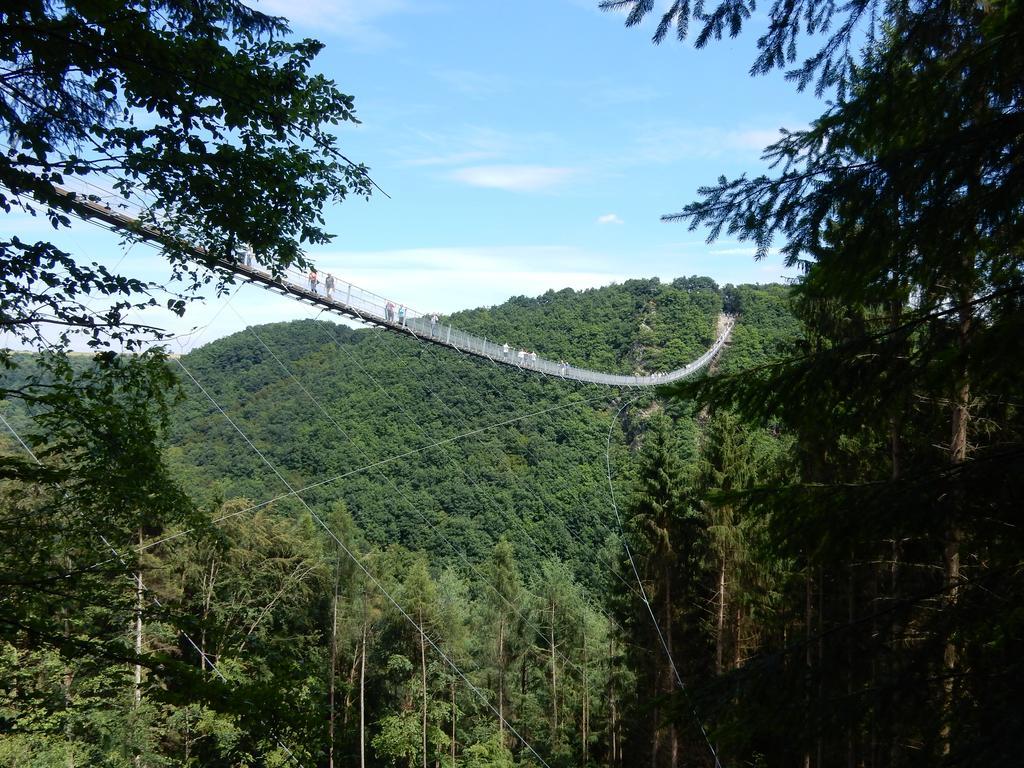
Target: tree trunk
(362, 694)
(350, 688)
(953, 534)
(851, 734)
(611, 703)
(453, 723)
(138, 632)
(673, 739)
(554, 680)
(334, 671)
(586, 698)
(423, 674)
(656, 724)
(67, 680)
(808, 663)
(720, 637)
(207, 604)
(139, 594)
(821, 655)
(501, 679)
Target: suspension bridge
(349, 300)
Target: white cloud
(609, 218)
(514, 178)
(351, 19)
(741, 250)
(662, 142)
(467, 145)
(751, 139)
(453, 158)
(448, 279)
(603, 94)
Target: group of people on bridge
(400, 315)
(392, 314)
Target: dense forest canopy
(502, 543)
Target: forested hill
(327, 404)
(476, 497)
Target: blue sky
(526, 146)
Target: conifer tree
(667, 542)
(904, 206)
(503, 602)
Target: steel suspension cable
(610, 568)
(473, 482)
(373, 465)
(561, 483)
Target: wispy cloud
(514, 178)
(354, 20)
(660, 142)
(607, 95)
(473, 144)
(468, 145)
(741, 250)
(609, 218)
(472, 83)
(446, 279)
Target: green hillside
(322, 401)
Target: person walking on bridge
(505, 349)
(401, 315)
(329, 285)
(433, 324)
(389, 312)
(313, 280)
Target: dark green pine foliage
(903, 204)
(668, 541)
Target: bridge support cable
(117, 555)
(404, 496)
(647, 603)
(359, 564)
(573, 534)
(432, 392)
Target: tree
(177, 106)
(501, 606)
(69, 515)
(904, 205)
(667, 541)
